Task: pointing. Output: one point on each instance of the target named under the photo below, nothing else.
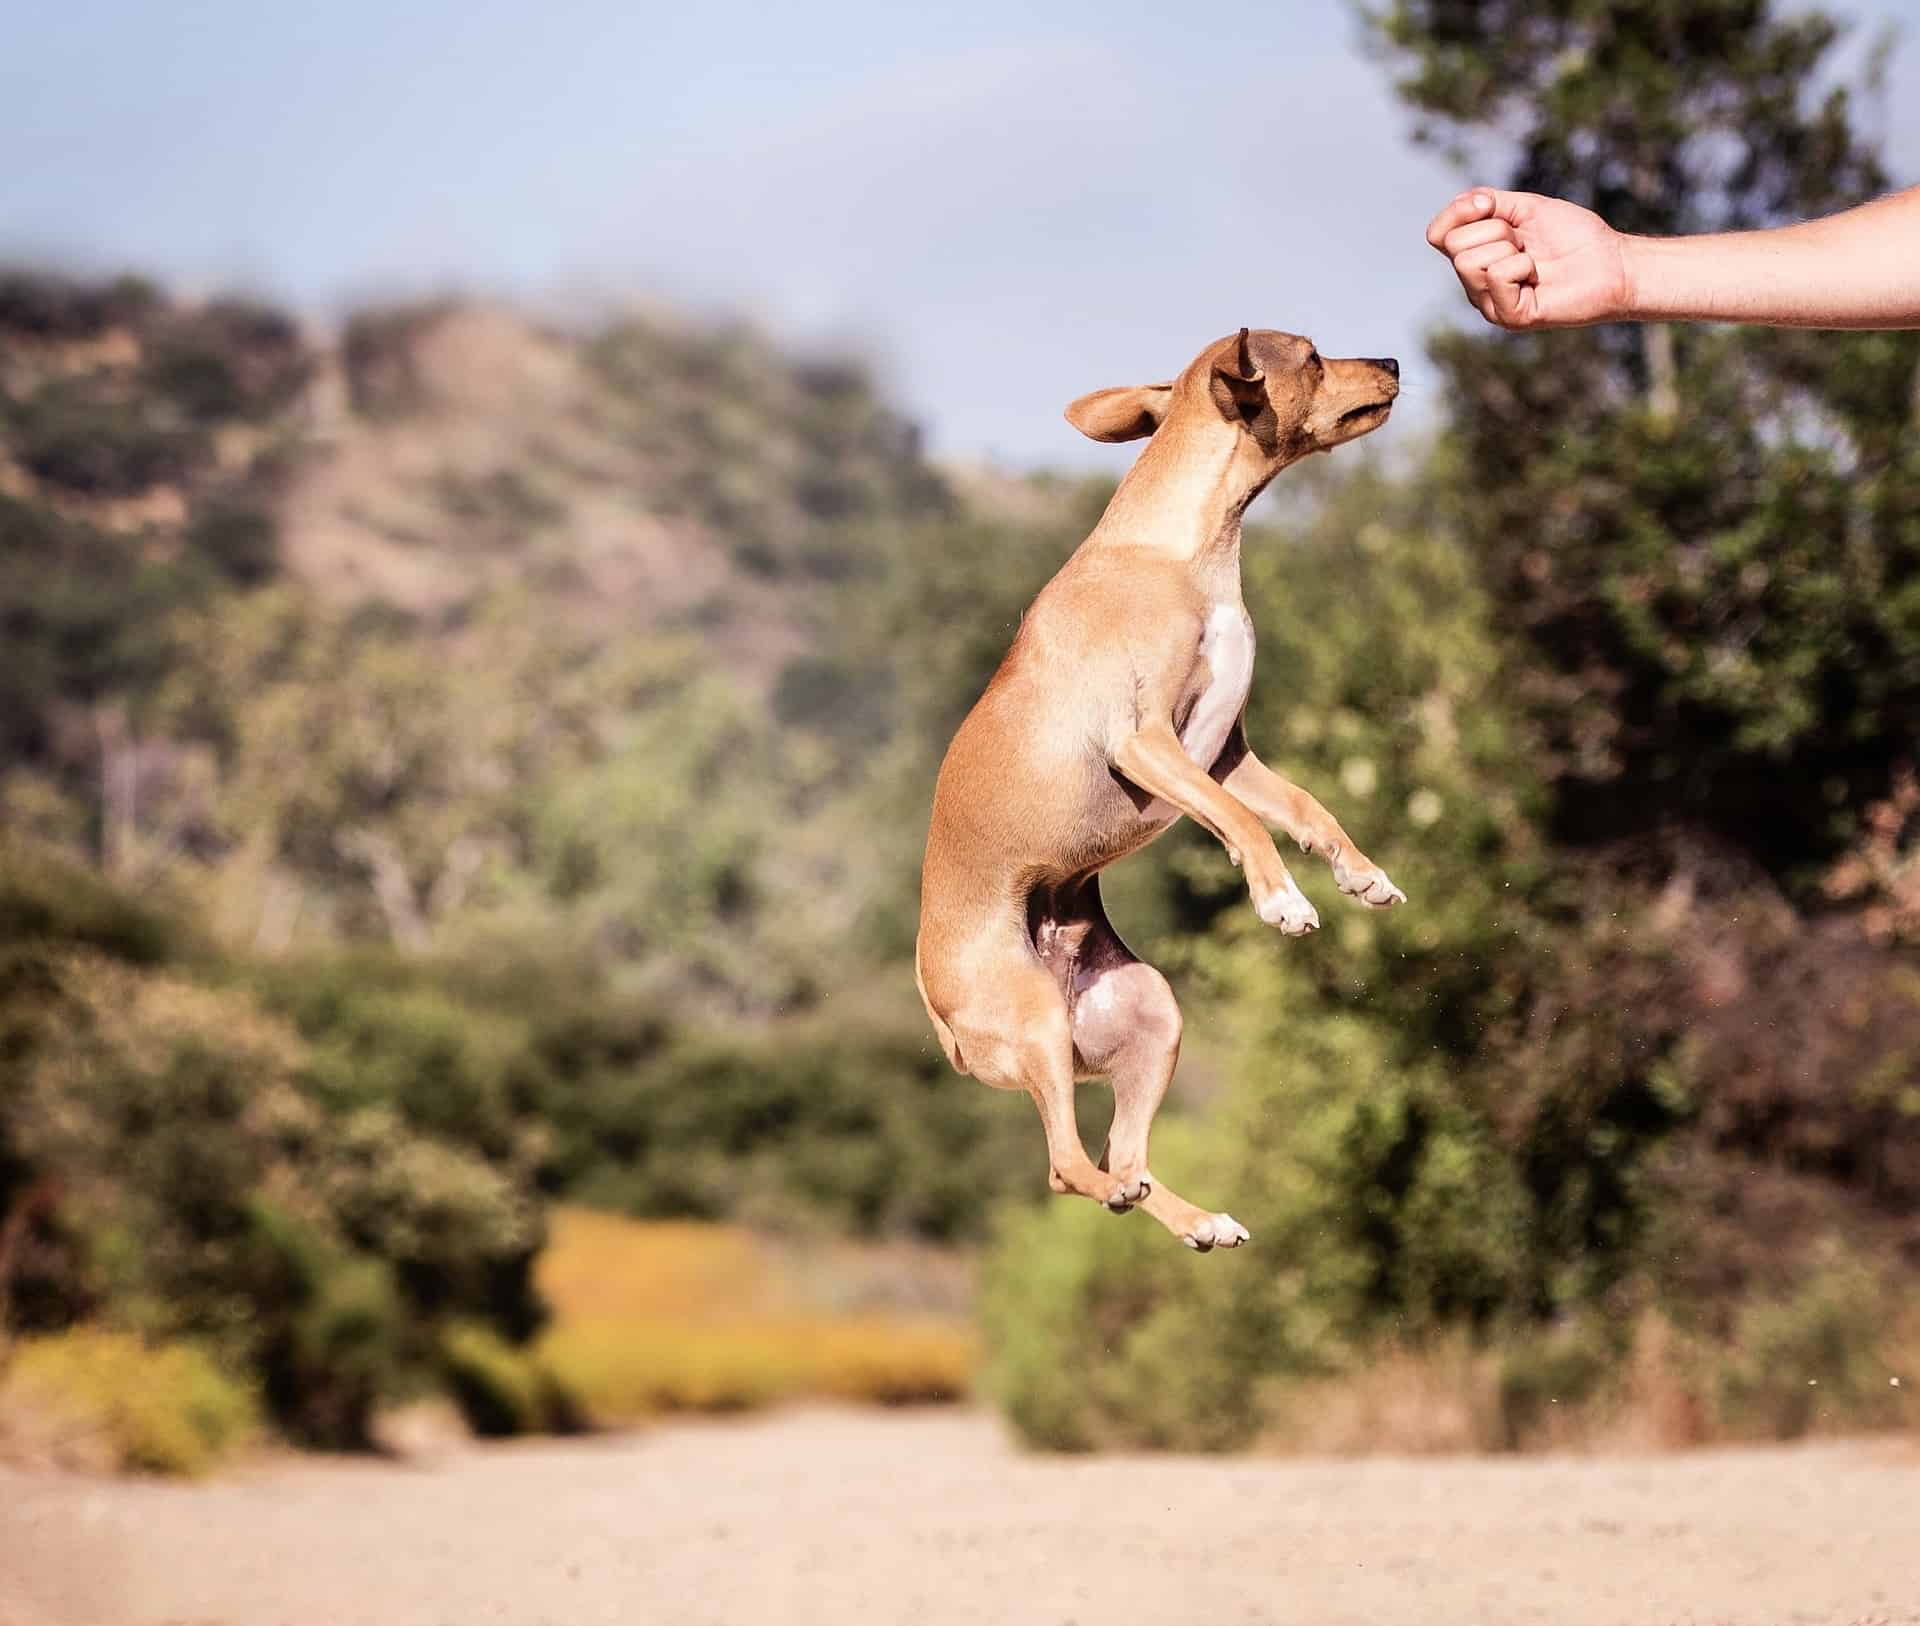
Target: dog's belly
(1226, 646)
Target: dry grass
(1431, 1401)
(1790, 1371)
(660, 1317)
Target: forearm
(1859, 269)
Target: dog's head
(1273, 389)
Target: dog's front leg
(1287, 807)
(1154, 759)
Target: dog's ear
(1122, 414)
(1239, 387)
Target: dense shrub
(87, 619)
(45, 305)
(47, 899)
(865, 1132)
(239, 539)
(502, 1390)
(229, 359)
(1816, 1359)
(543, 1069)
(207, 1186)
(97, 442)
(108, 1400)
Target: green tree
(1706, 544)
(1710, 540)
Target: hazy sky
(1005, 203)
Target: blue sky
(1003, 204)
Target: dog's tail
(945, 1034)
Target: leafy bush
(1815, 1360)
(545, 1070)
(229, 359)
(1368, 1198)
(305, 1247)
(1542, 1370)
(867, 1132)
(501, 1390)
(239, 539)
(47, 899)
(47, 306)
(94, 442)
(209, 1188)
(111, 1400)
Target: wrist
(1677, 279)
(1636, 278)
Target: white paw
(1216, 1231)
(1287, 908)
(1125, 1196)
(1371, 887)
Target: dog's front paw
(1288, 908)
(1370, 885)
(1128, 1192)
(1212, 1231)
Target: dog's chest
(1225, 670)
(1226, 653)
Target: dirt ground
(930, 1518)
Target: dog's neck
(1184, 495)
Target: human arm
(1527, 261)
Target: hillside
(509, 596)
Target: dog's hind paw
(1212, 1231)
(1370, 886)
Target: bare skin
(1526, 261)
(1118, 711)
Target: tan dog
(1118, 709)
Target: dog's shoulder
(1106, 589)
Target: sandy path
(851, 1518)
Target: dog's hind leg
(1139, 1023)
(1126, 1026)
(1015, 1033)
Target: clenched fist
(1526, 261)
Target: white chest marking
(1226, 645)
(1227, 648)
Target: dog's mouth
(1357, 415)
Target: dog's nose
(1388, 364)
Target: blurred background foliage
(478, 765)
